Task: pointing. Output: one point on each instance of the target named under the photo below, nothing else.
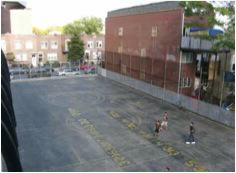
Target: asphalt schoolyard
(95, 124)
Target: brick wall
(138, 54)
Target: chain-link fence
(168, 75)
(22, 71)
(211, 111)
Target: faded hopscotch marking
(138, 104)
(171, 151)
(115, 155)
(195, 165)
(74, 113)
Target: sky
(60, 12)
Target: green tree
(10, 56)
(39, 31)
(73, 29)
(200, 8)
(86, 25)
(92, 25)
(228, 39)
(75, 49)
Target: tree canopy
(10, 56)
(205, 9)
(228, 39)
(86, 25)
(41, 31)
(75, 48)
(200, 8)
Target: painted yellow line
(115, 155)
(171, 151)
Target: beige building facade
(35, 49)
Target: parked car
(17, 70)
(67, 72)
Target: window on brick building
(66, 44)
(120, 31)
(52, 56)
(120, 49)
(54, 44)
(18, 45)
(142, 75)
(187, 57)
(90, 44)
(29, 45)
(154, 31)
(123, 68)
(21, 57)
(185, 82)
(143, 52)
(99, 44)
(44, 45)
(24, 57)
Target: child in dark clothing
(158, 127)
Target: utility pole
(213, 82)
(200, 82)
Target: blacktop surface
(96, 124)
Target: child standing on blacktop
(191, 132)
(164, 123)
(158, 127)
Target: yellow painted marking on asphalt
(114, 114)
(190, 163)
(74, 113)
(195, 165)
(170, 150)
(145, 135)
(167, 148)
(108, 148)
(131, 126)
(199, 168)
(138, 104)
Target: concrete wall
(21, 22)
(205, 109)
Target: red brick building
(147, 43)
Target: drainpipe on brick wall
(113, 61)
(180, 69)
(179, 80)
(130, 65)
(164, 86)
(152, 73)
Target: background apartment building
(94, 47)
(35, 49)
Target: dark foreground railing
(8, 122)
